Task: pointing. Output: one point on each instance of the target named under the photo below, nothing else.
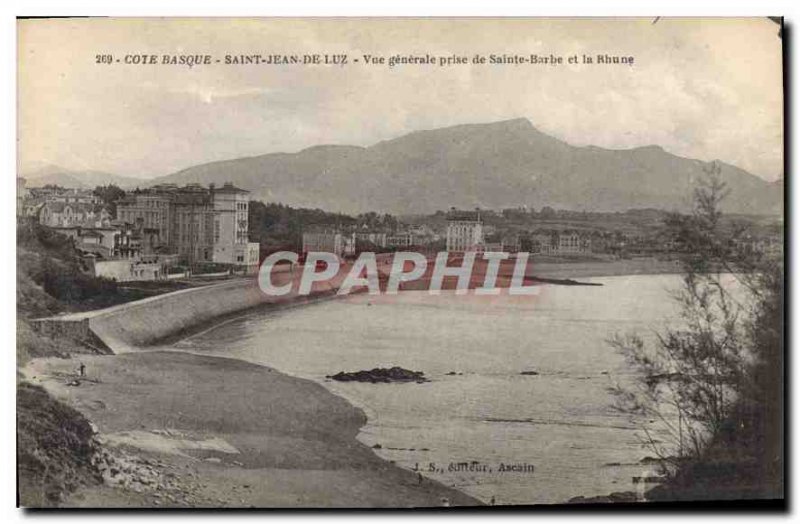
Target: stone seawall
(140, 324)
(147, 322)
(78, 330)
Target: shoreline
(366, 409)
(597, 269)
(236, 438)
(141, 436)
(165, 343)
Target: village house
(400, 239)
(542, 243)
(511, 244)
(128, 270)
(329, 240)
(72, 196)
(572, 243)
(422, 233)
(62, 214)
(31, 201)
(376, 238)
(771, 246)
(101, 241)
(559, 243)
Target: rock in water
(384, 375)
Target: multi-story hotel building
(230, 209)
(464, 231)
(199, 224)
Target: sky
(700, 88)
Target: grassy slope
(54, 448)
(54, 441)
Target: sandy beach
(182, 430)
(185, 430)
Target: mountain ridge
(492, 165)
(52, 174)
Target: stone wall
(150, 321)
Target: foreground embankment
(185, 430)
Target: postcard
(399, 262)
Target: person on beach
(82, 369)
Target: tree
(714, 381)
(109, 195)
(547, 212)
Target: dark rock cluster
(384, 375)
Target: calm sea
(478, 408)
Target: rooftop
(464, 216)
(228, 187)
(193, 188)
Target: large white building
(231, 227)
(464, 232)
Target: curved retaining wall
(152, 320)
(144, 323)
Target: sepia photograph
(392, 263)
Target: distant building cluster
(348, 241)
(159, 232)
(771, 246)
(167, 231)
(466, 232)
(61, 207)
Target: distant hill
(44, 174)
(494, 165)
